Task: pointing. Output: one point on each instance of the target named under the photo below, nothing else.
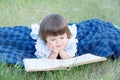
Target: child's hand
(52, 47)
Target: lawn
(26, 12)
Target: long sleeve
(42, 51)
(72, 44)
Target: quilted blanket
(16, 44)
(98, 37)
(94, 36)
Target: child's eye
(62, 37)
(53, 39)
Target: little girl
(56, 39)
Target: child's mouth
(59, 46)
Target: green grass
(107, 70)
(26, 12)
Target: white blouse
(42, 51)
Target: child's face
(59, 41)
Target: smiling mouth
(59, 46)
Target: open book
(34, 64)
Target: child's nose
(58, 41)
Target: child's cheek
(66, 42)
(53, 44)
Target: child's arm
(53, 55)
(64, 55)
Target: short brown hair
(53, 25)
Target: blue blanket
(16, 44)
(94, 36)
(98, 37)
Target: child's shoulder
(73, 30)
(34, 30)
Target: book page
(83, 59)
(41, 64)
(57, 64)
